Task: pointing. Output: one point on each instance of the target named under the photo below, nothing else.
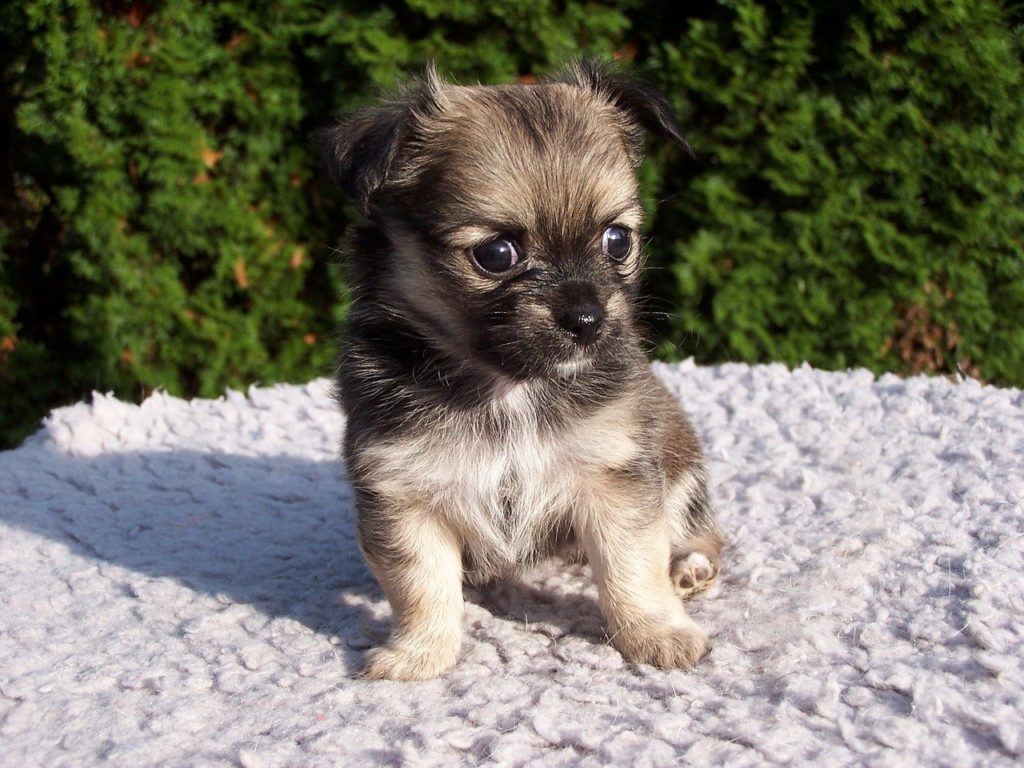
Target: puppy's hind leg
(695, 565)
(696, 542)
(418, 563)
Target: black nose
(583, 322)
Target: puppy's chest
(506, 481)
(504, 486)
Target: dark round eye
(496, 256)
(615, 243)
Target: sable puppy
(500, 408)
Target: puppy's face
(513, 221)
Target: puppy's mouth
(549, 332)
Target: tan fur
(461, 477)
(426, 601)
(455, 478)
(646, 621)
(570, 171)
(493, 436)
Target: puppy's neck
(506, 389)
(515, 397)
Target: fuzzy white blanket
(180, 585)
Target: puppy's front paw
(402, 663)
(665, 646)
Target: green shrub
(855, 199)
(858, 194)
(163, 227)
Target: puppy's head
(511, 213)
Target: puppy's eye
(496, 256)
(615, 243)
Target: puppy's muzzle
(583, 322)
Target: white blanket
(180, 585)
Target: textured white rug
(179, 585)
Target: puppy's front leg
(418, 563)
(628, 550)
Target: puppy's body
(499, 407)
(511, 469)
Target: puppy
(499, 406)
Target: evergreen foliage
(856, 195)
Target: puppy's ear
(646, 108)
(361, 151)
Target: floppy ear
(360, 151)
(645, 107)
